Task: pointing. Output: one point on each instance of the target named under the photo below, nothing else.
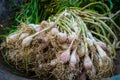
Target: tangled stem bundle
(68, 46)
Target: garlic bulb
(33, 26)
(65, 56)
(52, 24)
(12, 37)
(44, 23)
(71, 37)
(87, 63)
(102, 45)
(38, 28)
(23, 35)
(74, 59)
(62, 37)
(26, 42)
(54, 31)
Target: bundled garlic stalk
(105, 62)
(64, 47)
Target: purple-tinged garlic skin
(74, 59)
(54, 31)
(65, 56)
(102, 45)
(93, 72)
(70, 37)
(87, 63)
(12, 37)
(83, 76)
(23, 35)
(52, 24)
(33, 26)
(38, 28)
(44, 24)
(62, 37)
(26, 42)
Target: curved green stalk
(60, 16)
(107, 28)
(66, 24)
(95, 23)
(93, 3)
(107, 18)
(83, 30)
(60, 25)
(118, 12)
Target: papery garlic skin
(26, 42)
(74, 59)
(65, 56)
(23, 35)
(54, 31)
(62, 37)
(12, 37)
